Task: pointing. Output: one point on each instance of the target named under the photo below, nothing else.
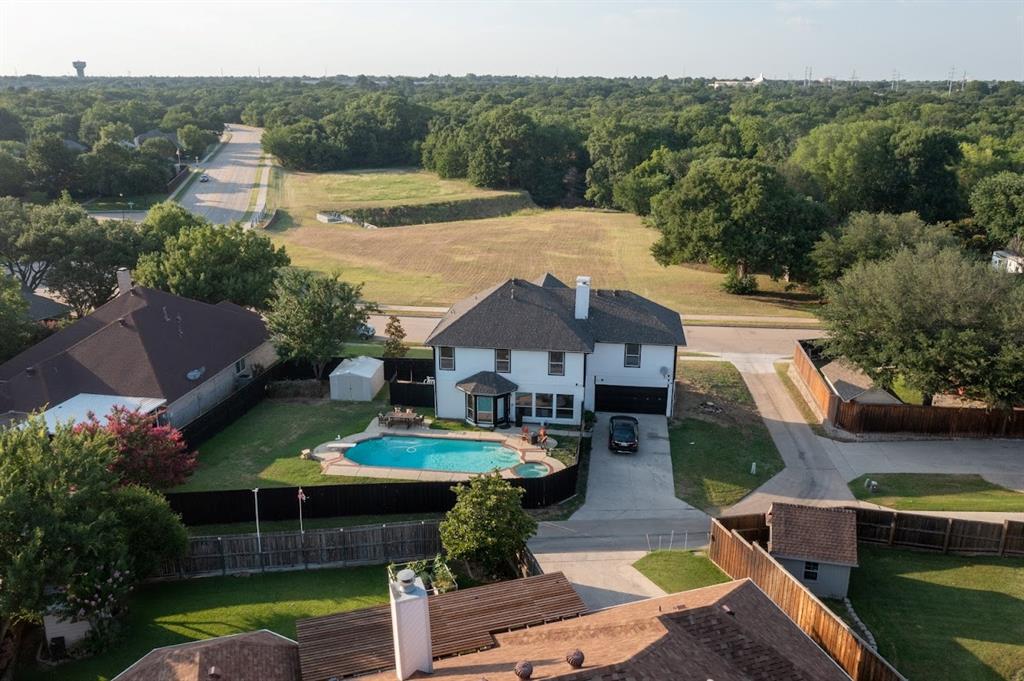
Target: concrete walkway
(631, 508)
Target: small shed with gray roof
(816, 545)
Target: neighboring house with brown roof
(816, 545)
(853, 385)
(543, 352)
(144, 343)
(43, 309)
(726, 632)
(254, 656)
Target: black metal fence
(327, 501)
(406, 378)
(228, 410)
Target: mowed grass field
(440, 263)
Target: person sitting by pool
(525, 434)
(542, 435)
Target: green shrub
(739, 286)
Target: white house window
(503, 361)
(447, 359)
(240, 366)
(810, 571)
(556, 364)
(544, 406)
(470, 411)
(563, 406)
(524, 404)
(632, 355)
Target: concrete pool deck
(333, 462)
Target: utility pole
(952, 75)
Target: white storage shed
(357, 379)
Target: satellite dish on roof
(196, 374)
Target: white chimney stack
(124, 280)
(582, 297)
(410, 625)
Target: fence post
(1002, 537)
(223, 558)
(892, 528)
(949, 530)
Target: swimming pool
(433, 454)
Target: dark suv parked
(623, 434)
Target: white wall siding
(197, 402)
(832, 582)
(73, 631)
(529, 372)
(607, 366)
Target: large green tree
(487, 526)
(865, 236)
(33, 239)
(736, 214)
(929, 157)
(13, 319)
(215, 263)
(312, 316)
(51, 164)
(936, 318)
(998, 206)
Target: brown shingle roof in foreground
(726, 632)
(253, 656)
(826, 535)
(461, 621)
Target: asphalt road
(233, 171)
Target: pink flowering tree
(99, 596)
(148, 454)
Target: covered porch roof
(487, 384)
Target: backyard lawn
(261, 449)
(938, 492)
(439, 263)
(680, 570)
(712, 453)
(178, 612)
(309, 524)
(943, 618)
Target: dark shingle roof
(825, 535)
(41, 308)
(548, 280)
(142, 343)
(486, 383)
(254, 656)
(523, 315)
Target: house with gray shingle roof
(542, 352)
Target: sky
(868, 39)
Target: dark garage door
(629, 399)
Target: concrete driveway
(631, 507)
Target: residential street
(233, 173)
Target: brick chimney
(124, 280)
(410, 625)
(582, 297)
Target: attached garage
(630, 399)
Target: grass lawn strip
(938, 492)
(308, 524)
(712, 453)
(177, 612)
(675, 571)
(782, 370)
(943, 618)
(261, 449)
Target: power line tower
(963, 82)
(853, 78)
(952, 75)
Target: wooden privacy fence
(938, 533)
(855, 417)
(821, 392)
(740, 559)
(363, 545)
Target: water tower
(79, 68)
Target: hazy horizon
(867, 40)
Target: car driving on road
(204, 178)
(365, 332)
(623, 434)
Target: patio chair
(419, 419)
(381, 419)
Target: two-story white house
(545, 352)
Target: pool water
(434, 454)
(533, 469)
